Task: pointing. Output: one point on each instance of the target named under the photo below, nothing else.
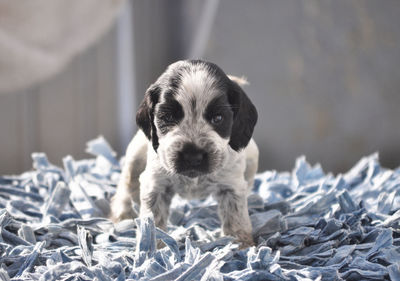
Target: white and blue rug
(308, 226)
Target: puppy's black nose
(192, 157)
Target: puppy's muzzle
(192, 161)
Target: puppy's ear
(241, 81)
(145, 114)
(244, 117)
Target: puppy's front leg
(155, 199)
(128, 185)
(234, 214)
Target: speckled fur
(152, 173)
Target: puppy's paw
(121, 209)
(242, 237)
(245, 241)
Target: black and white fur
(195, 139)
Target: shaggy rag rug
(308, 225)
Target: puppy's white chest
(196, 188)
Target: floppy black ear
(244, 117)
(145, 114)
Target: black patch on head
(173, 75)
(175, 80)
(220, 106)
(145, 114)
(169, 113)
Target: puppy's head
(195, 115)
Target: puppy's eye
(168, 117)
(216, 119)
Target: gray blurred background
(324, 76)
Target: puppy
(195, 139)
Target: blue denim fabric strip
(308, 225)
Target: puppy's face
(195, 115)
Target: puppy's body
(195, 140)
